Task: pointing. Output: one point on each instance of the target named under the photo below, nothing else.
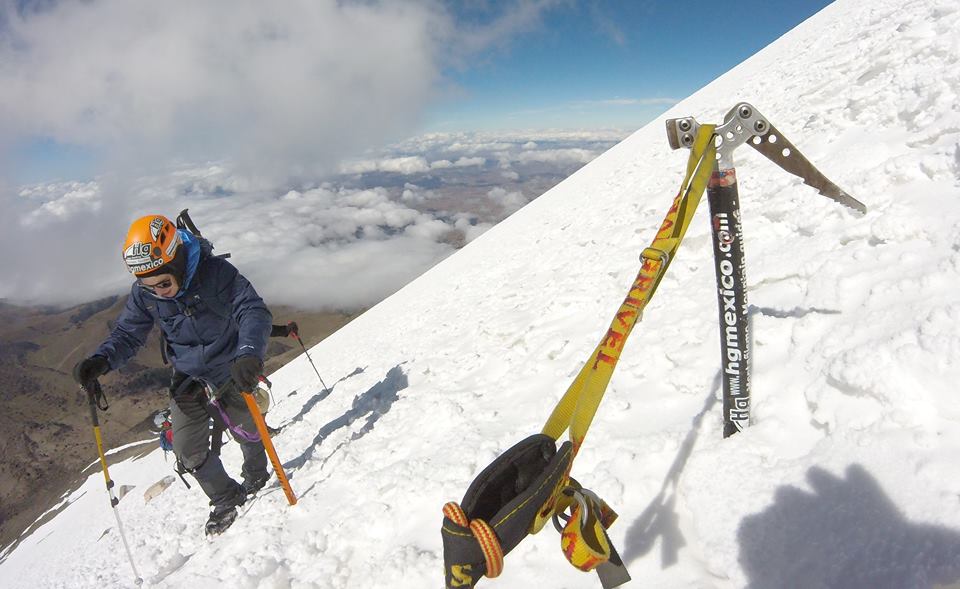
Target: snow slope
(850, 475)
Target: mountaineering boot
(252, 486)
(223, 514)
(220, 520)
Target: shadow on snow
(659, 519)
(372, 404)
(312, 401)
(845, 532)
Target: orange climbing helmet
(152, 242)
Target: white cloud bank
(510, 201)
(335, 243)
(398, 165)
(280, 90)
(325, 247)
(292, 83)
(279, 87)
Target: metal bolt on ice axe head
(742, 124)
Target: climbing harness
(530, 483)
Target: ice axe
(268, 446)
(742, 124)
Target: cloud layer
(342, 242)
(297, 84)
(286, 98)
(283, 88)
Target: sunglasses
(163, 284)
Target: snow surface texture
(850, 475)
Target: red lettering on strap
(622, 317)
(601, 357)
(613, 339)
(643, 283)
(665, 228)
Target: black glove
(89, 370)
(246, 372)
(290, 329)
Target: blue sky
(80, 104)
(585, 54)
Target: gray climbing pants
(191, 440)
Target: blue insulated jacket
(216, 317)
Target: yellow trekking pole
(268, 446)
(94, 397)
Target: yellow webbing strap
(583, 538)
(576, 408)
